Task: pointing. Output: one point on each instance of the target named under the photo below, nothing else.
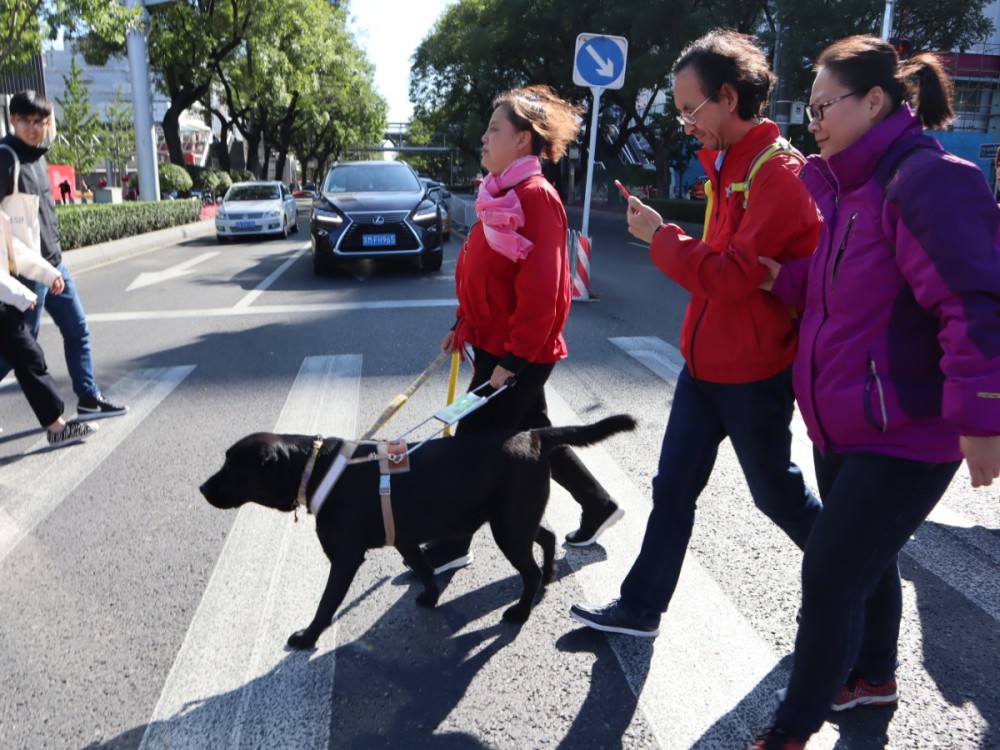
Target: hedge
(93, 223)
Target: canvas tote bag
(22, 208)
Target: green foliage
(118, 136)
(79, 130)
(225, 181)
(90, 224)
(27, 22)
(241, 175)
(479, 48)
(174, 178)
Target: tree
(118, 136)
(455, 72)
(79, 128)
(25, 23)
(187, 41)
(297, 79)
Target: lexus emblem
(378, 220)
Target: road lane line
(233, 684)
(224, 312)
(961, 557)
(34, 486)
(250, 297)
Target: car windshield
(253, 193)
(371, 178)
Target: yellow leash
(403, 397)
(452, 380)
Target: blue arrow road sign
(600, 61)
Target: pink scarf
(503, 216)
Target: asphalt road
(134, 615)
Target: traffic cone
(581, 274)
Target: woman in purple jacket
(898, 368)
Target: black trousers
(523, 407)
(19, 348)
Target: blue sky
(389, 31)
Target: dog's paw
(301, 640)
(516, 614)
(427, 599)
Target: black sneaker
(593, 525)
(97, 407)
(612, 618)
(73, 432)
(442, 557)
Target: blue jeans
(67, 313)
(756, 417)
(851, 593)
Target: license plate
(378, 240)
(245, 224)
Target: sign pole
(594, 114)
(142, 107)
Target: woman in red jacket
(513, 288)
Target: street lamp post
(142, 107)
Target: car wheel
(431, 261)
(284, 228)
(295, 224)
(221, 239)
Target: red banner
(59, 174)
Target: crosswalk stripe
(42, 478)
(233, 684)
(956, 555)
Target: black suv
(374, 210)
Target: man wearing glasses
(31, 118)
(738, 342)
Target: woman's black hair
(863, 62)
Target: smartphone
(621, 189)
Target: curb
(83, 258)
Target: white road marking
(181, 269)
(224, 312)
(35, 485)
(251, 297)
(934, 549)
(233, 684)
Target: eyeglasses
(687, 118)
(33, 122)
(814, 112)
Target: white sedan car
(256, 208)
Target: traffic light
(902, 45)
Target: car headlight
(329, 219)
(272, 214)
(428, 214)
(220, 214)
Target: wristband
(654, 233)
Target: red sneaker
(859, 692)
(776, 738)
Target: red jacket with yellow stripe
(733, 331)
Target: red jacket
(518, 310)
(733, 331)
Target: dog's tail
(586, 434)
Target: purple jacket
(899, 347)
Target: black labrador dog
(453, 487)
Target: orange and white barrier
(580, 260)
